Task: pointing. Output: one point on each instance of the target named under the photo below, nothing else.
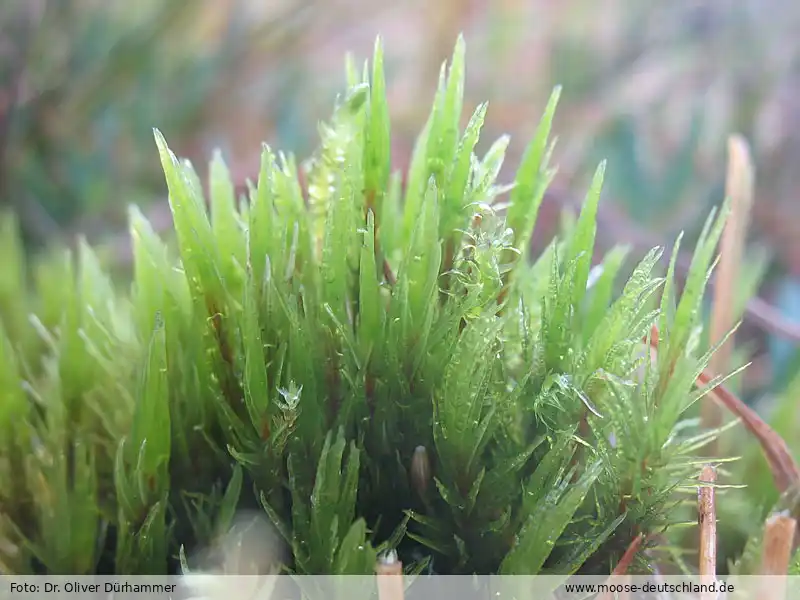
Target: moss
(371, 366)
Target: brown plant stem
(779, 532)
(625, 562)
(739, 188)
(779, 535)
(620, 572)
(707, 521)
(389, 571)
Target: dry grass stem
(779, 533)
(389, 570)
(707, 520)
(739, 188)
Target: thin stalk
(707, 519)
(389, 570)
(620, 573)
(779, 532)
(739, 188)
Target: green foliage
(375, 367)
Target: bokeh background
(654, 87)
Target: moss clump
(369, 365)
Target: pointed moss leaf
(13, 292)
(283, 529)
(430, 524)
(397, 536)
(198, 246)
(416, 185)
(549, 470)
(444, 547)
(460, 400)
(436, 155)
(687, 311)
(345, 335)
(421, 269)
(152, 415)
(230, 501)
(144, 551)
(355, 555)
(225, 219)
(545, 525)
(74, 365)
(333, 497)
(378, 144)
(351, 71)
(262, 232)
(586, 547)
(602, 288)
(450, 496)
(453, 99)
(488, 169)
(482, 435)
(126, 496)
(582, 243)
(435, 149)
(456, 203)
(13, 403)
(69, 516)
(667, 305)
(339, 179)
(532, 178)
(474, 490)
(391, 221)
(501, 482)
(256, 383)
(349, 484)
(370, 314)
(621, 316)
(150, 270)
(356, 97)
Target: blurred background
(655, 88)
